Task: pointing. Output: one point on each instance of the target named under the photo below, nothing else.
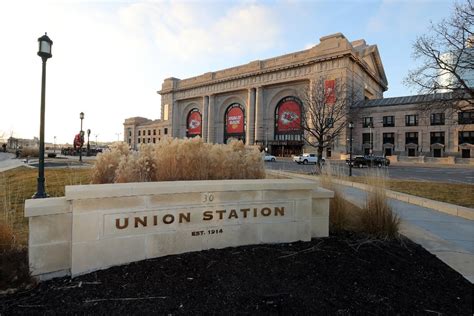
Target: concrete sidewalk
(449, 237)
(8, 161)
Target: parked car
(268, 157)
(369, 161)
(307, 158)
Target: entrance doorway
(411, 152)
(366, 151)
(437, 152)
(466, 153)
(388, 152)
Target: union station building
(260, 103)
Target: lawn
(454, 193)
(19, 184)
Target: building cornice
(209, 82)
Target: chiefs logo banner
(235, 121)
(194, 123)
(289, 116)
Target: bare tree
(447, 59)
(326, 112)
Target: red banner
(235, 121)
(289, 116)
(194, 123)
(78, 141)
(329, 91)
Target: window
(154, 132)
(437, 119)
(139, 133)
(366, 138)
(330, 122)
(154, 140)
(138, 140)
(166, 131)
(437, 138)
(466, 117)
(367, 122)
(149, 139)
(466, 137)
(129, 141)
(388, 121)
(411, 120)
(159, 132)
(389, 138)
(411, 138)
(129, 133)
(149, 132)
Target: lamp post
(54, 145)
(88, 147)
(81, 116)
(351, 127)
(96, 140)
(44, 52)
(370, 138)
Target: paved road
(408, 172)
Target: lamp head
(45, 44)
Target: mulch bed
(346, 273)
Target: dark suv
(369, 161)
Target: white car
(268, 157)
(307, 158)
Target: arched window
(234, 121)
(288, 119)
(194, 123)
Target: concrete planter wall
(97, 226)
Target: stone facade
(412, 126)
(259, 86)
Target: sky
(111, 57)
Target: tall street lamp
(88, 147)
(351, 127)
(44, 52)
(81, 133)
(54, 145)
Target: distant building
(465, 68)
(15, 143)
(139, 130)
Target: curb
(451, 209)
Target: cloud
(191, 31)
(109, 57)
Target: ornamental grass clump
(342, 214)
(377, 218)
(179, 159)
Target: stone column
(210, 121)
(250, 132)
(205, 105)
(259, 128)
(175, 120)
